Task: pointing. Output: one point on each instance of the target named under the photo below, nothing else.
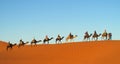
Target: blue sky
(29, 19)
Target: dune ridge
(93, 52)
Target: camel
(95, 36)
(104, 36)
(109, 35)
(47, 40)
(87, 37)
(59, 39)
(35, 42)
(71, 37)
(10, 46)
(22, 44)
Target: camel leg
(110, 37)
(96, 38)
(18, 46)
(48, 41)
(56, 41)
(66, 40)
(35, 44)
(92, 38)
(7, 48)
(71, 40)
(106, 37)
(31, 44)
(84, 39)
(101, 38)
(44, 42)
(11, 47)
(60, 41)
(88, 39)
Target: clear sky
(28, 19)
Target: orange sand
(96, 52)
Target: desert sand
(94, 52)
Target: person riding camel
(34, 40)
(110, 36)
(46, 37)
(86, 33)
(105, 32)
(95, 33)
(21, 42)
(59, 36)
(9, 43)
(70, 35)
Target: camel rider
(34, 40)
(86, 33)
(70, 35)
(110, 36)
(59, 36)
(105, 32)
(9, 43)
(21, 42)
(95, 33)
(46, 37)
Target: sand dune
(96, 52)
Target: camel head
(62, 37)
(90, 34)
(39, 40)
(51, 38)
(100, 34)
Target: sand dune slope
(96, 52)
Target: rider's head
(58, 34)
(20, 39)
(46, 36)
(105, 30)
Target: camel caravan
(95, 36)
(69, 38)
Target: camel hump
(71, 36)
